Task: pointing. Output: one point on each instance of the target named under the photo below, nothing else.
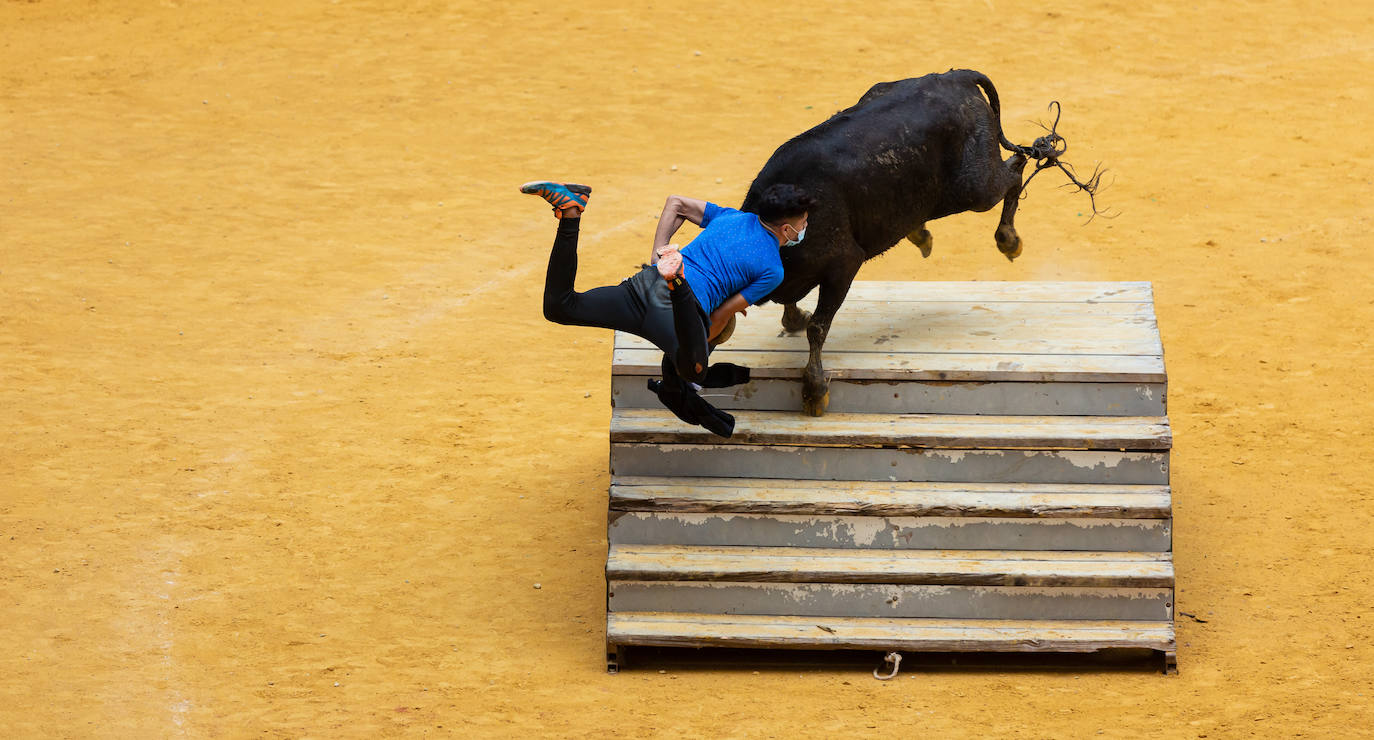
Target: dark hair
(783, 201)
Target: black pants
(641, 305)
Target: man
(684, 298)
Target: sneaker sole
(531, 187)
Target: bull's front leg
(815, 386)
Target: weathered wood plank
(913, 635)
(1006, 321)
(921, 365)
(1025, 293)
(860, 486)
(1016, 291)
(902, 338)
(891, 397)
(1041, 310)
(889, 464)
(995, 326)
(1066, 625)
(916, 567)
(744, 495)
(822, 552)
(893, 533)
(889, 323)
(906, 430)
(889, 600)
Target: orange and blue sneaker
(563, 196)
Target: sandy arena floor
(285, 442)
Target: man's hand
(658, 252)
(669, 263)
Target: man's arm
(719, 317)
(675, 211)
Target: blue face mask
(800, 235)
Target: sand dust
(285, 442)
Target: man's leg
(609, 307)
(693, 349)
(690, 327)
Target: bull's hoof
(923, 240)
(816, 406)
(815, 392)
(1008, 243)
(794, 319)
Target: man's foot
(713, 419)
(567, 199)
(671, 393)
(690, 407)
(725, 375)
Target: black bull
(908, 152)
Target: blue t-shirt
(732, 254)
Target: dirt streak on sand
(284, 441)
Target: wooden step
(987, 292)
(745, 512)
(971, 331)
(890, 533)
(922, 397)
(915, 635)
(890, 600)
(916, 567)
(734, 460)
(1063, 328)
(755, 496)
(931, 431)
(916, 365)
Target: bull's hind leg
(794, 319)
(1008, 241)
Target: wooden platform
(992, 476)
(947, 348)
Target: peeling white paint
(953, 457)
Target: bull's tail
(1046, 150)
(981, 80)
(1049, 146)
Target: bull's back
(884, 159)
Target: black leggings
(641, 305)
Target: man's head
(784, 209)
